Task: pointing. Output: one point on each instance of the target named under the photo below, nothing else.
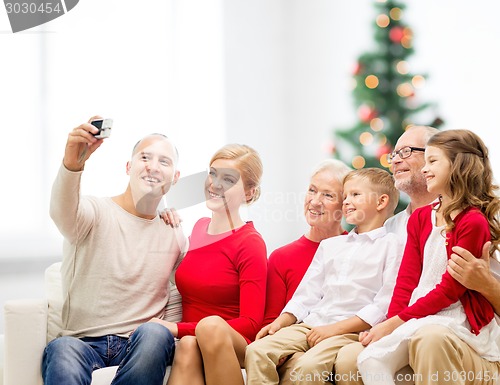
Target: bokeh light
(382, 20)
(366, 138)
(407, 38)
(371, 81)
(404, 90)
(418, 81)
(358, 162)
(383, 161)
(377, 124)
(396, 13)
(403, 67)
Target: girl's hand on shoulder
(171, 217)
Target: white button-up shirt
(351, 274)
(398, 224)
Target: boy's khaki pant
(313, 367)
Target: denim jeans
(142, 358)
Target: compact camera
(104, 127)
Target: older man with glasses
(407, 161)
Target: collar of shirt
(373, 234)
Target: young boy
(346, 289)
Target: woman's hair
(471, 177)
(381, 181)
(335, 167)
(248, 163)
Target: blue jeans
(142, 358)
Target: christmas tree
(384, 93)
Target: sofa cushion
(53, 290)
(173, 311)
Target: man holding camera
(118, 255)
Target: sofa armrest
(25, 340)
(1, 358)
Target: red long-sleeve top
(223, 275)
(471, 231)
(285, 269)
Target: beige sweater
(116, 266)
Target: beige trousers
(439, 357)
(312, 366)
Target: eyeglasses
(403, 153)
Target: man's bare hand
(80, 145)
(470, 271)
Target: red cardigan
(223, 275)
(471, 231)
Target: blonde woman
(222, 279)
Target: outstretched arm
(71, 216)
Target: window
(146, 65)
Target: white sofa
(1, 358)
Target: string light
(396, 13)
(383, 161)
(404, 90)
(377, 124)
(407, 38)
(418, 81)
(403, 67)
(366, 138)
(382, 20)
(371, 81)
(358, 162)
(384, 87)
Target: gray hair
(334, 166)
(428, 131)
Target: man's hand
(80, 145)
(381, 330)
(470, 271)
(475, 274)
